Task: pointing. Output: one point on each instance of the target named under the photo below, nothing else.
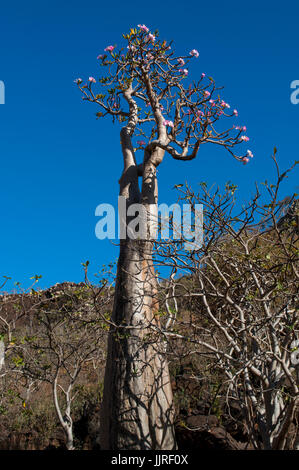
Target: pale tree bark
(66, 419)
(137, 409)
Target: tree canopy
(147, 86)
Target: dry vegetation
(229, 318)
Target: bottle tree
(146, 88)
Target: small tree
(67, 332)
(242, 285)
(145, 87)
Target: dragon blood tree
(146, 88)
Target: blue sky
(58, 162)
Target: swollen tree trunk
(137, 408)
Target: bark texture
(137, 409)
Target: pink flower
(249, 154)
(100, 56)
(143, 28)
(207, 94)
(235, 112)
(78, 81)
(141, 142)
(151, 37)
(109, 48)
(92, 80)
(203, 75)
(223, 104)
(200, 114)
(245, 160)
(184, 71)
(168, 123)
(244, 128)
(194, 52)
(244, 138)
(181, 61)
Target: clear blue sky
(58, 162)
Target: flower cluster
(224, 104)
(109, 48)
(143, 28)
(194, 53)
(246, 159)
(151, 37)
(168, 123)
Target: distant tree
(242, 289)
(145, 87)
